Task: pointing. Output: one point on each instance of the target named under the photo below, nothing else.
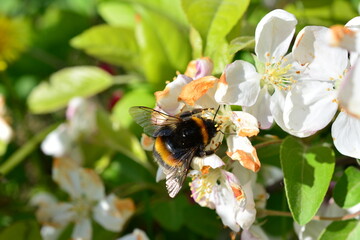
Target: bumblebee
(178, 139)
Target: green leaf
(115, 45)
(120, 140)
(22, 230)
(239, 43)
(170, 213)
(196, 43)
(344, 230)
(140, 97)
(3, 147)
(347, 189)
(117, 13)
(203, 221)
(214, 20)
(164, 46)
(307, 175)
(84, 81)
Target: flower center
(278, 75)
(204, 186)
(82, 207)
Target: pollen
(278, 75)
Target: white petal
(247, 217)
(57, 143)
(160, 175)
(200, 93)
(239, 85)
(246, 124)
(261, 109)
(91, 185)
(49, 232)
(213, 161)
(43, 198)
(353, 23)
(112, 212)
(50, 212)
(254, 233)
(82, 230)
(225, 208)
(147, 142)
(240, 149)
(66, 173)
(277, 104)
(137, 234)
(346, 135)
(167, 99)
(349, 97)
(5, 131)
(305, 42)
(325, 62)
(309, 107)
(273, 35)
(73, 107)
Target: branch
(265, 144)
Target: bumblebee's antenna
(217, 110)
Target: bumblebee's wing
(175, 175)
(151, 120)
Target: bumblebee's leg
(206, 153)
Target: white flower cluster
(87, 199)
(301, 91)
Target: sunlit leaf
(196, 43)
(117, 13)
(164, 46)
(347, 189)
(307, 175)
(344, 230)
(240, 43)
(66, 84)
(112, 44)
(140, 97)
(214, 20)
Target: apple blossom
(80, 122)
(87, 196)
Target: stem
(21, 154)
(319, 218)
(261, 145)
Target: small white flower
(80, 123)
(231, 197)
(87, 196)
(241, 84)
